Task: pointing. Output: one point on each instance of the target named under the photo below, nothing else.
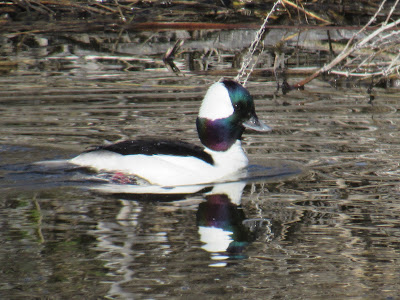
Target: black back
(153, 147)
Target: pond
(319, 219)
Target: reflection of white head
(233, 190)
(216, 103)
(215, 239)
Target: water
(329, 230)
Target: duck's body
(226, 109)
(165, 162)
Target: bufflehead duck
(227, 109)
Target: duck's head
(227, 109)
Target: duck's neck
(219, 134)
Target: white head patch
(216, 103)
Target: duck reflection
(220, 221)
(158, 229)
(223, 228)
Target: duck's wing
(160, 147)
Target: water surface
(331, 230)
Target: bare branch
(361, 44)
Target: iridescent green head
(226, 110)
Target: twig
(392, 65)
(170, 53)
(311, 14)
(391, 12)
(105, 7)
(252, 49)
(39, 220)
(169, 56)
(120, 11)
(379, 43)
(363, 75)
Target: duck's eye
(238, 106)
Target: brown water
(330, 232)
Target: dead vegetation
(53, 14)
(372, 53)
(381, 61)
